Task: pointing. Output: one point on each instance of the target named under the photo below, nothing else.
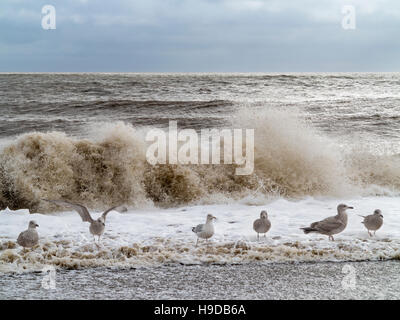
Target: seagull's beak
(215, 218)
(37, 225)
(349, 207)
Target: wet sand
(357, 280)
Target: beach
(300, 281)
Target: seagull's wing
(82, 210)
(257, 224)
(369, 219)
(21, 237)
(117, 208)
(198, 228)
(327, 224)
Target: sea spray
(292, 159)
(52, 165)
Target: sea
(320, 139)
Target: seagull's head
(343, 207)
(102, 221)
(33, 224)
(263, 214)
(378, 213)
(210, 217)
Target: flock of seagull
(329, 226)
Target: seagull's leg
(98, 241)
(370, 234)
(197, 241)
(258, 236)
(265, 235)
(374, 232)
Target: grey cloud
(199, 35)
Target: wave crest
(292, 159)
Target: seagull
(96, 227)
(262, 225)
(205, 231)
(29, 238)
(373, 221)
(331, 225)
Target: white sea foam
(152, 237)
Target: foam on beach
(152, 237)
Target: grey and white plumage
(97, 226)
(373, 221)
(332, 225)
(29, 238)
(262, 225)
(206, 230)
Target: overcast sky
(199, 36)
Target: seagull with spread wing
(96, 227)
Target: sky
(200, 36)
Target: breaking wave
(292, 160)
